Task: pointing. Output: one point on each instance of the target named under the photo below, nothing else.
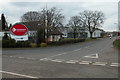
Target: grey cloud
(17, 9)
(24, 4)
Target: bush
(23, 44)
(43, 45)
(8, 43)
(33, 45)
(66, 41)
(116, 43)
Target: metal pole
(46, 30)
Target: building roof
(33, 26)
(55, 32)
(100, 29)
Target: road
(94, 59)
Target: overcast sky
(14, 10)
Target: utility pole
(46, 26)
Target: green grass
(116, 44)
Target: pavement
(94, 59)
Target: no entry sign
(18, 29)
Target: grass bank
(116, 43)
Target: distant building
(84, 33)
(53, 34)
(112, 34)
(96, 33)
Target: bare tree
(31, 16)
(75, 24)
(49, 18)
(52, 19)
(53, 16)
(92, 20)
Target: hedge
(66, 41)
(11, 43)
(23, 44)
(8, 43)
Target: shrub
(23, 44)
(43, 45)
(33, 45)
(66, 41)
(8, 43)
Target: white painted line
(57, 60)
(12, 56)
(16, 74)
(77, 49)
(58, 54)
(92, 56)
(72, 61)
(46, 59)
(85, 62)
(20, 57)
(41, 59)
(100, 63)
(115, 64)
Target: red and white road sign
(18, 29)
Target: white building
(69, 33)
(96, 33)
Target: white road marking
(72, 61)
(12, 56)
(85, 62)
(57, 60)
(46, 59)
(92, 56)
(77, 49)
(115, 64)
(100, 63)
(16, 74)
(58, 54)
(20, 57)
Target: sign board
(19, 38)
(18, 29)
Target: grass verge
(116, 43)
